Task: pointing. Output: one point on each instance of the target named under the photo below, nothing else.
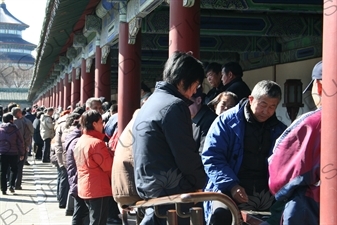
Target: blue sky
(32, 13)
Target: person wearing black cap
(294, 167)
(232, 80)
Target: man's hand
(239, 194)
(21, 158)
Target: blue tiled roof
(8, 18)
(13, 94)
(17, 40)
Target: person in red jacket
(94, 163)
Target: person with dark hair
(11, 151)
(232, 80)
(29, 114)
(106, 108)
(11, 106)
(236, 150)
(202, 118)
(94, 162)
(79, 110)
(80, 208)
(145, 93)
(111, 126)
(213, 76)
(224, 101)
(38, 142)
(30, 117)
(163, 137)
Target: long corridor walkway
(36, 203)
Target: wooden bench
(195, 214)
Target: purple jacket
(295, 170)
(70, 143)
(11, 141)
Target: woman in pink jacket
(94, 163)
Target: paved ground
(36, 204)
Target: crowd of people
(180, 140)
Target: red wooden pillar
(50, 94)
(54, 97)
(75, 89)
(44, 99)
(61, 94)
(87, 82)
(328, 192)
(128, 76)
(67, 91)
(184, 28)
(50, 97)
(102, 74)
(57, 96)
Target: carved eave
(88, 64)
(105, 53)
(134, 26)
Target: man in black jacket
(213, 76)
(232, 80)
(202, 118)
(165, 156)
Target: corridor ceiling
(256, 33)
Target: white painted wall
(297, 70)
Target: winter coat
(238, 87)
(201, 124)
(70, 142)
(37, 136)
(122, 175)
(46, 127)
(11, 141)
(60, 153)
(223, 150)
(26, 129)
(214, 92)
(94, 162)
(295, 170)
(165, 154)
(111, 126)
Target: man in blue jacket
(236, 150)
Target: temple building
(16, 60)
